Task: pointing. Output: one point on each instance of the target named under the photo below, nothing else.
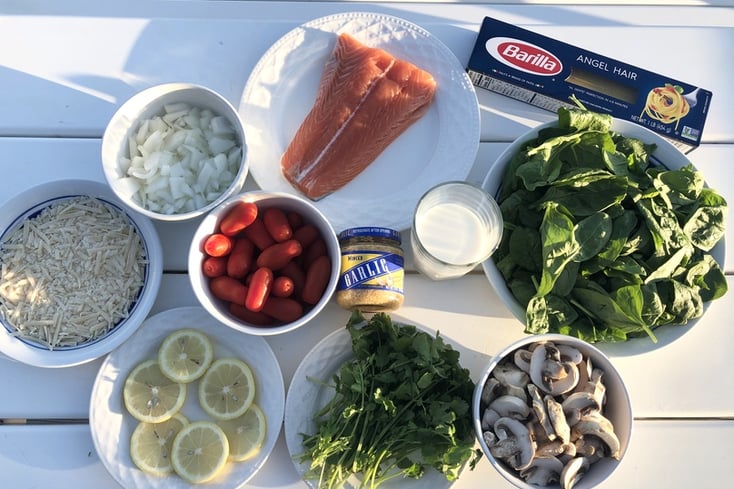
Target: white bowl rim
(195, 254)
(149, 96)
(30, 354)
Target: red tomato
(283, 286)
(306, 235)
(217, 244)
(283, 308)
(258, 234)
(238, 218)
(214, 266)
(278, 255)
(276, 222)
(294, 271)
(241, 259)
(315, 250)
(228, 289)
(255, 318)
(317, 277)
(259, 289)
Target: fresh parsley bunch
(601, 243)
(400, 405)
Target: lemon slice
(150, 396)
(200, 451)
(185, 354)
(151, 444)
(227, 389)
(245, 434)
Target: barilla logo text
(523, 56)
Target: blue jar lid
(370, 231)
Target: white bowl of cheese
(78, 273)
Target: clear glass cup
(456, 226)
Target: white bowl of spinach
(610, 232)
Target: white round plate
(112, 425)
(440, 146)
(309, 392)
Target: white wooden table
(66, 66)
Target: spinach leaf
(663, 225)
(559, 245)
(526, 249)
(583, 119)
(706, 274)
(549, 313)
(705, 227)
(622, 228)
(592, 234)
(587, 192)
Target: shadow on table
(194, 50)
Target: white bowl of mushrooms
(551, 410)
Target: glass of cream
(456, 226)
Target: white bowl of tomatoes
(264, 263)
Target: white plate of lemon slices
(187, 400)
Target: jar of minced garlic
(372, 274)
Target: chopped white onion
(181, 160)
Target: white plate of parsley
(364, 370)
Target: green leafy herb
(400, 405)
(600, 243)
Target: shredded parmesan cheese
(71, 273)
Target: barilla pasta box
(547, 73)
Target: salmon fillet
(366, 98)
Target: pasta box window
(547, 73)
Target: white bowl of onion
(175, 151)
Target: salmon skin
(366, 98)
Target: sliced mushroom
(489, 438)
(553, 369)
(585, 369)
(510, 406)
(517, 391)
(570, 354)
(490, 390)
(573, 471)
(580, 404)
(489, 418)
(596, 386)
(550, 374)
(513, 443)
(595, 424)
(590, 447)
(567, 382)
(569, 452)
(552, 351)
(537, 432)
(542, 471)
(509, 374)
(558, 419)
(551, 449)
(539, 409)
(522, 359)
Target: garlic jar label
(371, 270)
